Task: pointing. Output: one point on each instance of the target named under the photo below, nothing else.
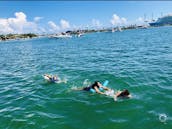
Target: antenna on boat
(152, 17)
(145, 18)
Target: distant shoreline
(14, 37)
(10, 37)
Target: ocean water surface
(138, 60)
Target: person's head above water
(124, 93)
(96, 83)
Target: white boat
(113, 30)
(61, 36)
(145, 27)
(119, 29)
(80, 34)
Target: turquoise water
(137, 60)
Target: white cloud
(53, 26)
(4, 27)
(64, 24)
(123, 20)
(18, 24)
(116, 20)
(96, 23)
(36, 19)
(20, 15)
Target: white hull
(61, 36)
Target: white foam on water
(86, 82)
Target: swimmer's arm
(98, 91)
(117, 93)
(105, 88)
(78, 89)
(49, 76)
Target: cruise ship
(165, 20)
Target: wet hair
(95, 84)
(124, 93)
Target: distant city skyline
(54, 16)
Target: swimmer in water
(51, 78)
(55, 78)
(96, 86)
(122, 94)
(47, 75)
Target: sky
(57, 16)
